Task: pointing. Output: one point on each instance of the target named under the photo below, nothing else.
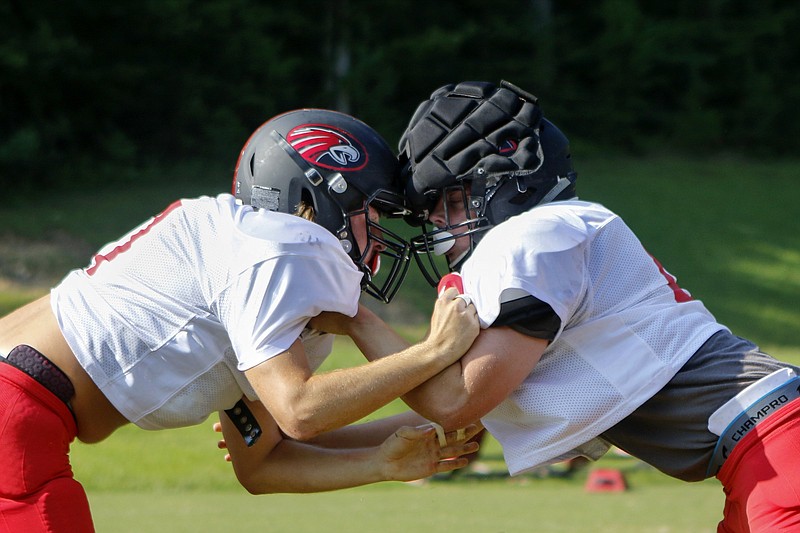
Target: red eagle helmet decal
(328, 147)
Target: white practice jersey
(626, 327)
(166, 319)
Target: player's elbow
(302, 431)
(253, 479)
(452, 421)
(253, 487)
(263, 478)
(450, 413)
(258, 485)
(301, 425)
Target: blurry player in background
(586, 340)
(208, 307)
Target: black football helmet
(339, 166)
(494, 146)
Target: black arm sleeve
(529, 316)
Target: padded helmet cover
(494, 145)
(476, 131)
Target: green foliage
(110, 85)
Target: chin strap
(562, 184)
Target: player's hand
(413, 453)
(221, 444)
(454, 324)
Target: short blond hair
(305, 211)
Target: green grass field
(726, 227)
(491, 506)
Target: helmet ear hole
(305, 207)
(305, 197)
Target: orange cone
(606, 480)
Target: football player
(208, 307)
(586, 341)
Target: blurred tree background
(93, 91)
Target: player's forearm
(334, 399)
(443, 399)
(323, 402)
(370, 433)
(373, 337)
(294, 467)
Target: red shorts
(38, 492)
(761, 477)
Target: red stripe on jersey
(681, 295)
(99, 259)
